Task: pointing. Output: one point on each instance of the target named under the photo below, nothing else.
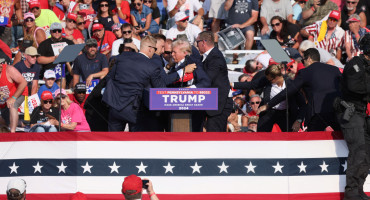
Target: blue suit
(132, 73)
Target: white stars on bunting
(278, 167)
(141, 168)
(169, 168)
(13, 168)
(196, 168)
(87, 167)
(324, 167)
(250, 167)
(62, 168)
(302, 167)
(114, 168)
(223, 167)
(344, 166)
(37, 168)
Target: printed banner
(183, 99)
(33, 102)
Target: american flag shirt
(331, 44)
(349, 37)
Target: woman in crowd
(156, 14)
(286, 33)
(141, 17)
(44, 117)
(71, 32)
(81, 27)
(86, 10)
(32, 32)
(72, 115)
(106, 16)
(116, 29)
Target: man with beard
(79, 95)
(90, 65)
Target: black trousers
(267, 120)
(117, 121)
(218, 123)
(320, 121)
(356, 134)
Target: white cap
(181, 16)
(18, 184)
(49, 74)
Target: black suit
(320, 83)
(132, 73)
(215, 67)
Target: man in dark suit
(320, 83)
(132, 73)
(214, 65)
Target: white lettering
(165, 97)
(201, 98)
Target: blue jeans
(17, 32)
(43, 128)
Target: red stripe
(169, 136)
(326, 196)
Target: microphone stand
(286, 96)
(183, 70)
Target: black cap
(80, 87)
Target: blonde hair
(68, 100)
(148, 41)
(184, 45)
(274, 71)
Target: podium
(182, 104)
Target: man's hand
(118, 2)
(180, 3)
(190, 68)
(54, 122)
(296, 126)
(237, 26)
(89, 79)
(132, 46)
(10, 102)
(316, 4)
(264, 30)
(262, 109)
(69, 37)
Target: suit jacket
(168, 78)
(215, 67)
(132, 73)
(320, 82)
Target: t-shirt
(29, 74)
(76, 34)
(241, 11)
(125, 8)
(75, 114)
(50, 48)
(189, 7)
(38, 115)
(297, 12)
(107, 43)
(6, 12)
(320, 12)
(288, 40)
(325, 56)
(118, 43)
(269, 9)
(156, 13)
(46, 18)
(141, 17)
(44, 88)
(191, 32)
(84, 66)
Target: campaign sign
(94, 82)
(183, 99)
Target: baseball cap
(132, 185)
(57, 92)
(46, 95)
(49, 74)
(91, 42)
(253, 119)
(116, 26)
(334, 14)
(79, 196)
(29, 15)
(80, 87)
(18, 184)
(354, 18)
(181, 16)
(97, 27)
(33, 4)
(72, 16)
(32, 51)
(56, 26)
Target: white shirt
(275, 89)
(189, 7)
(180, 73)
(191, 32)
(206, 54)
(118, 42)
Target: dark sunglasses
(48, 101)
(29, 20)
(332, 19)
(148, 1)
(155, 48)
(56, 30)
(126, 32)
(137, 4)
(91, 46)
(257, 102)
(33, 56)
(277, 24)
(301, 2)
(81, 92)
(167, 52)
(184, 20)
(351, 2)
(63, 97)
(104, 5)
(35, 8)
(80, 23)
(72, 21)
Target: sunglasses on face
(81, 23)
(48, 101)
(33, 56)
(63, 97)
(56, 31)
(35, 8)
(302, 2)
(332, 19)
(184, 20)
(92, 46)
(277, 24)
(155, 48)
(104, 5)
(351, 2)
(29, 20)
(126, 32)
(148, 1)
(137, 4)
(71, 21)
(167, 52)
(257, 103)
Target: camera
(144, 184)
(84, 6)
(127, 40)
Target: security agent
(351, 112)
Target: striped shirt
(349, 37)
(331, 44)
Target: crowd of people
(133, 45)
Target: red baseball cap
(335, 14)
(97, 27)
(132, 185)
(46, 95)
(33, 4)
(72, 16)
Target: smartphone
(144, 184)
(127, 40)
(84, 6)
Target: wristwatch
(119, 8)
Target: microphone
(183, 70)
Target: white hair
(307, 44)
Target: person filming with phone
(316, 10)
(132, 188)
